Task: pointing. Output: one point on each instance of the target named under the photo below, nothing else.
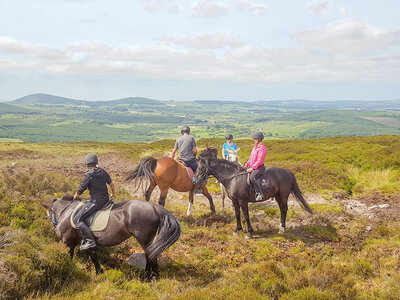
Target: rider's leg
(254, 180)
(87, 236)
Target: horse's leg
(71, 251)
(207, 194)
(282, 202)
(150, 190)
(245, 208)
(93, 256)
(223, 195)
(163, 195)
(154, 269)
(237, 214)
(190, 205)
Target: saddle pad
(190, 172)
(98, 221)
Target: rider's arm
(83, 186)
(195, 151)
(223, 153)
(112, 186)
(173, 153)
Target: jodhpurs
(254, 178)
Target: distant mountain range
(46, 99)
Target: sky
(189, 50)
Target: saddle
(97, 221)
(263, 181)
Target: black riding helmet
(257, 136)
(91, 159)
(229, 136)
(185, 129)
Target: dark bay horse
(278, 183)
(132, 218)
(167, 173)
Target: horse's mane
(67, 197)
(221, 162)
(209, 152)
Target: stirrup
(87, 244)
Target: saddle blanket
(98, 221)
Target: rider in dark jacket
(96, 180)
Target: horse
(279, 183)
(132, 218)
(167, 173)
(232, 156)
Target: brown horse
(132, 218)
(167, 173)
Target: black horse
(140, 219)
(276, 182)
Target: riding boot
(88, 241)
(258, 189)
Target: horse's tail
(145, 170)
(299, 195)
(169, 231)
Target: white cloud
(159, 5)
(209, 9)
(224, 58)
(348, 35)
(216, 40)
(254, 8)
(318, 8)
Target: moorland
(348, 250)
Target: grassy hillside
(47, 118)
(336, 254)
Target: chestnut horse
(167, 173)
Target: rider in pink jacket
(255, 165)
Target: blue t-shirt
(227, 147)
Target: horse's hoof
(281, 230)
(101, 271)
(248, 236)
(235, 233)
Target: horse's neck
(224, 171)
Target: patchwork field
(348, 250)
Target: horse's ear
(46, 205)
(237, 150)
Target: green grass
(327, 256)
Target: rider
(255, 165)
(229, 145)
(187, 149)
(96, 180)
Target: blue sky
(186, 50)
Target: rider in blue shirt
(229, 145)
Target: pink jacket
(257, 156)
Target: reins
(52, 213)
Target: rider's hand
(112, 196)
(249, 170)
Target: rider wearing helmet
(96, 180)
(255, 165)
(228, 145)
(187, 149)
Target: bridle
(52, 213)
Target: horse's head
(202, 171)
(232, 154)
(56, 207)
(209, 152)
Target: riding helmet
(185, 129)
(91, 159)
(229, 136)
(257, 136)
